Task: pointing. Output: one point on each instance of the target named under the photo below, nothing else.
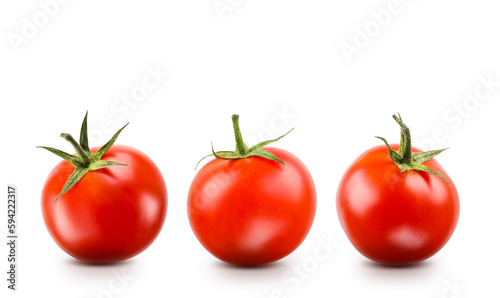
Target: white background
(262, 60)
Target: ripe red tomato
(252, 211)
(395, 217)
(112, 213)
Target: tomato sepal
(242, 150)
(84, 161)
(405, 159)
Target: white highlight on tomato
(408, 238)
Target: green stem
(241, 147)
(405, 143)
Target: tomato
(110, 214)
(397, 217)
(252, 210)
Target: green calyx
(84, 161)
(242, 150)
(405, 158)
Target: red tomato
(252, 206)
(394, 217)
(104, 204)
(252, 211)
(111, 214)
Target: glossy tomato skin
(252, 211)
(111, 214)
(394, 217)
